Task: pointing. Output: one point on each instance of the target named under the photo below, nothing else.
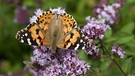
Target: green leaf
(124, 40)
(111, 39)
(81, 5)
(131, 44)
(108, 33)
(28, 2)
(127, 29)
(82, 55)
(104, 66)
(127, 65)
(130, 1)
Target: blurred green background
(13, 53)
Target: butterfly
(54, 30)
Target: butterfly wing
(72, 37)
(37, 33)
(77, 40)
(31, 35)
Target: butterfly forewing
(38, 33)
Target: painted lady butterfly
(54, 30)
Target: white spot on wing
(26, 34)
(82, 35)
(77, 46)
(22, 41)
(81, 40)
(75, 26)
(25, 28)
(83, 47)
(29, 41)
(22, 30)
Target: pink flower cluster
(118, 51)
(57, 63)
(109, 12)
(95, 29)
(22, 15)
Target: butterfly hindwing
(75, 40)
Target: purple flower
(95, 29)
(110, 12)
(22, 15)
(37, 13)
(57, 63)
(14, 1)
(58, 10)
(39, 1)
(93, 50)
(99, 5)
(118, 51)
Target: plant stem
(115, 62)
